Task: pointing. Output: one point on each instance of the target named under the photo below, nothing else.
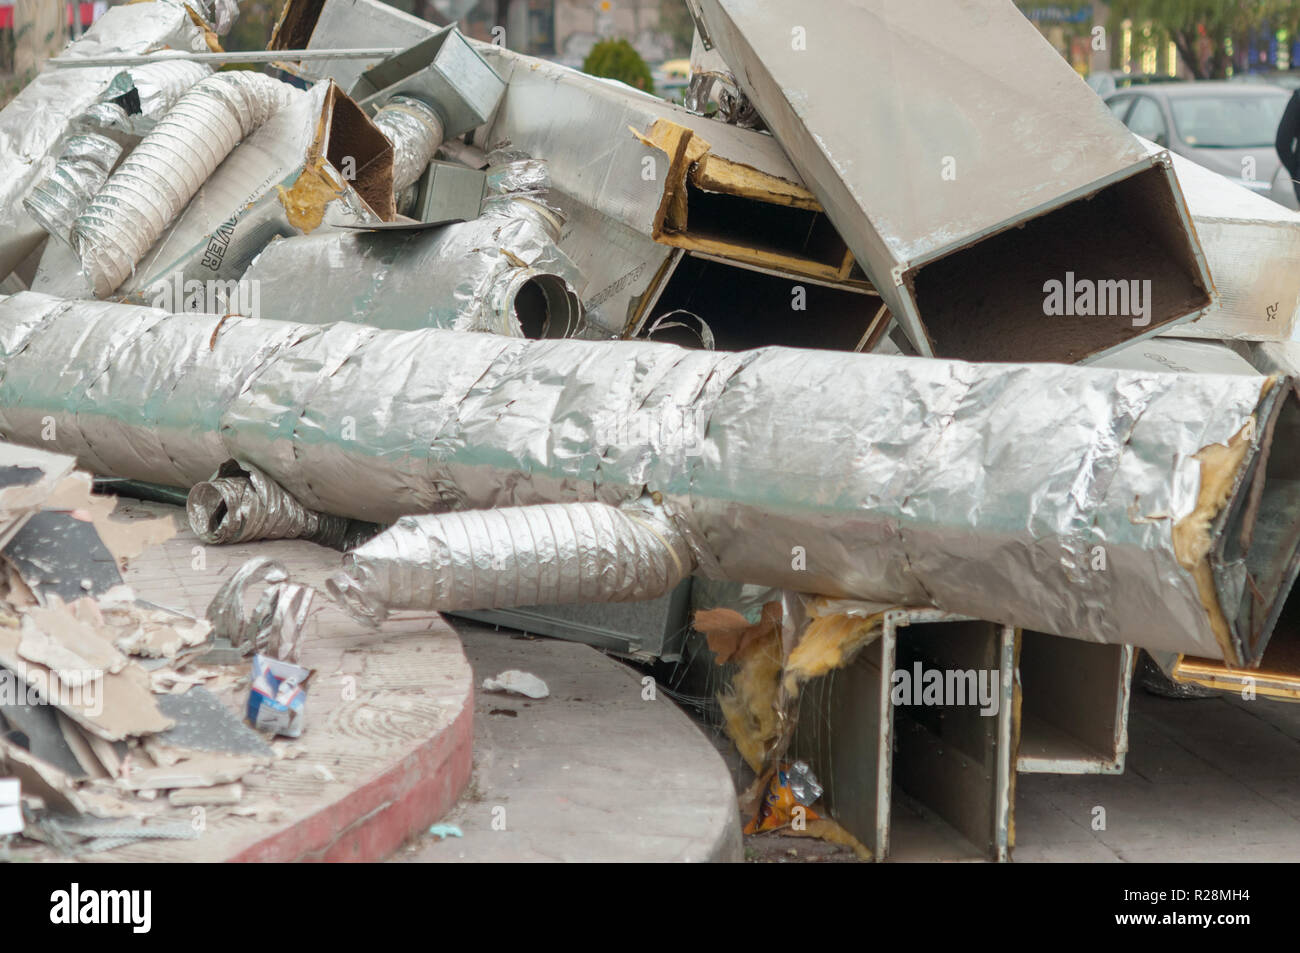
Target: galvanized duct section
(159, 178)
(1104, 504)
(80, 172)
(240, 504)
(553, 554)
(415, 132)
(500, 273)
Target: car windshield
(1228, 122)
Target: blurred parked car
(1224, 126)
(1286, 78)
(1105, 82)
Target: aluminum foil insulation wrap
(1097, 503)
(415, 131)
(240, 504)
(34, 123)
(552, 554)
(500, 273)
(161, 175)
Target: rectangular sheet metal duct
(1112, 506)
(1074, 708)
(962, 189)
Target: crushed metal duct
(240, 504)
(550, 554)
(501, 273)
(34, 123)
(166, 170)
(275, 624)
(962, 196)
(1112, 506)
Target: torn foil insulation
(500, 273)
(240, 504)
(164, 172)
(139, 97)
(551, 554)
(34, 123)
(276, 622)
(415, 132)
(1102, 504)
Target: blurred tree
(1201, 30)
(617, 59)
(675, 20)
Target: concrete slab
(598, 771)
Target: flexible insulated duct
(139, 97)
(130, 107)
(415, 131)
(34, 124)
(80, 172)
(1099, 503)
(162, 174)
(240, 504)
(501, 273)
(552, 554)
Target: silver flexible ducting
(164, 172)
(80, 172)
(415, 131)
(37, 120)
(1063, 499)
(103, 130)
(151, 90)
(240, 504)
(552, 554)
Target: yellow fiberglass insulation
(1191, 535)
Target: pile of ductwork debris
(502, 333)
